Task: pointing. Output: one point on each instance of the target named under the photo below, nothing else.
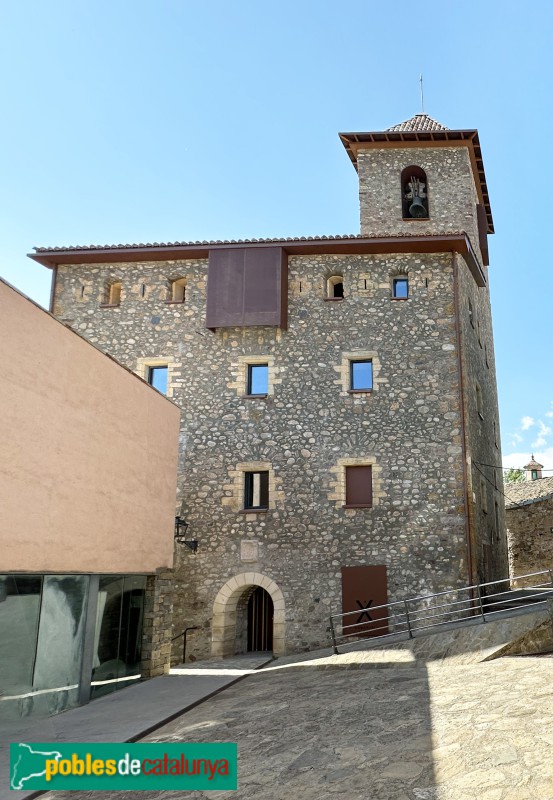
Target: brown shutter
(359, 486)
(247, 286)
(482, 220)
(364, 588)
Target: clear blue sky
(174, 120)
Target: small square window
(256, 490)
(157, 377)
(361, 376)
(359, 487)
(400, 288)
(258, 379)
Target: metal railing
(184, 634)
(419, 616)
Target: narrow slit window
(258, 380)
(157, 377)
(479, 405)
(361, 376)
(400, 288)
(256, 490)
(359, 487)
(335, 288)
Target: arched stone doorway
(230, 614)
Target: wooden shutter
(482, 220)
(359, 486)
(363, 589)
(247, 286)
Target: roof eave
(469, 138)
(457, 242)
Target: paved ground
(127, 714)
(410, 731)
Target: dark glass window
(401, 288)
(359, 486)
(118, 640)
(258, 379)
(256, 490)
(157, 377)
(361, 376)
(534, 474)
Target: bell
(417, 208)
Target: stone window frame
(239, 371)
(337, 493)
(143, 367)
(344, 371)
(402, 275)
(233, 497)
(177, 291)
(331, 282)
(112, 293)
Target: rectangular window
(256, 490)
(400, 288)
(157, 377)
(361, 376)
(258, 379)
(359, 487)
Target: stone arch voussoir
(223, 625)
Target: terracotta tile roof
(420, 122)
(526, 492)
(213, 242)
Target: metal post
(480, 602)
(408, 620)
(333, 637)
(87, 657)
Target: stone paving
(362, 731)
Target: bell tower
(420, 178)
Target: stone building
(529, 515)
(338, 396)
(87, 490)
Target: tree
(514, 475)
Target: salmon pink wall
(88, 453)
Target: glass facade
(47, 625)
(118, 634)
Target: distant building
(338, 396)
(87, 493)
(529, 512)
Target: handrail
(184, 633)
(403, 617)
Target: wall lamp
(181, 526)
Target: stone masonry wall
(409, 428)
(483, 436)
(158, 624)
(452, 194)
(530, 531)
